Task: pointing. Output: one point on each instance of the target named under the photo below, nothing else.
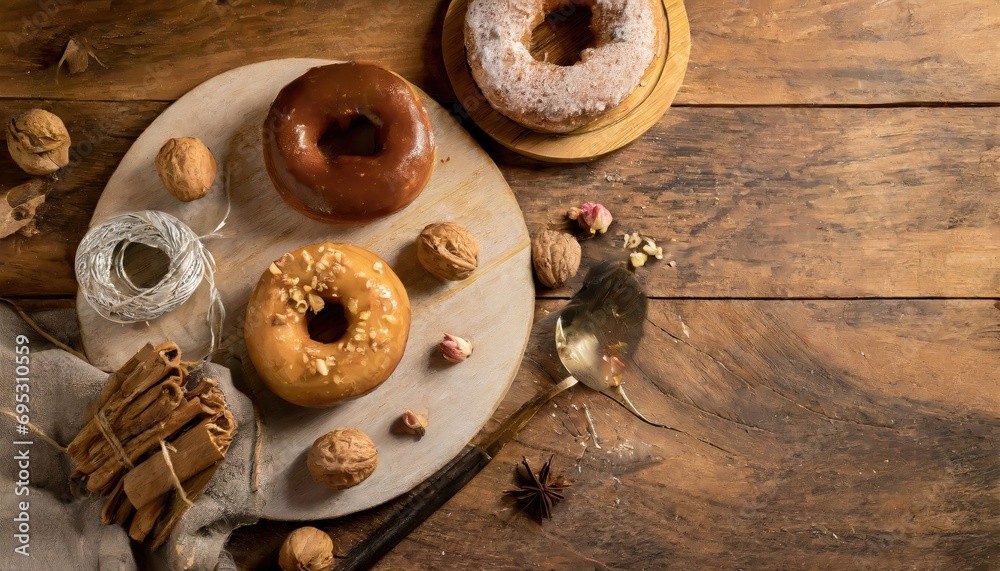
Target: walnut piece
(448, 251)
(186, 167)
(18, 206)
(342, 458)
(38, 142)
(556, 257)
(306, 549)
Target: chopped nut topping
(316, 303)
(377, 266)
(651, 249)
(352, 305)
(278, 319)
(390, 318)
(365, 315)
(321, 368)
(275, 269)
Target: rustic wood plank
(842, 51)
(856, 434)
(750, 52)
(762, 202)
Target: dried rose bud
(638, 259)
(455, 349)
(594, 217)
(414, 423)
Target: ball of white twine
(100, 265)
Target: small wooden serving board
(493, 308)
(619, 127)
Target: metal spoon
(600, 328)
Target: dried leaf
(77, 57)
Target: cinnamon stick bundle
(146, 407)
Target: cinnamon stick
(145, 518)
(196, 449)
(176, 507)
(117, 509)
(103, 477)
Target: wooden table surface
(828, 184)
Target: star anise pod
(538, 492)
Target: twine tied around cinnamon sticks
(152, 444)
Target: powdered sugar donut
(547, 97)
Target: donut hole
(356, 136)
(563, 34)
(329, 325)
(143, 266)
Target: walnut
(448, 251)
(342, 458)
(556, 257)
(38, 142)
(306, 549)
(186, 167)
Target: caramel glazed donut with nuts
(296, 288)
(547, 97)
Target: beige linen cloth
(65, 529)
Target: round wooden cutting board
(493, 308)
(614, 130)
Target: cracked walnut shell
(38, 142)
(342, 458)
(186, 167)
(306, 549)
(448, 251)
(556, 257)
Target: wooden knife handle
(423, 501)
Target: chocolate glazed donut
(320, 165)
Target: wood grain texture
(856, 434)
(747, 52)
(612, 131)
(761, 202)
(492, 307)
(780, 52)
